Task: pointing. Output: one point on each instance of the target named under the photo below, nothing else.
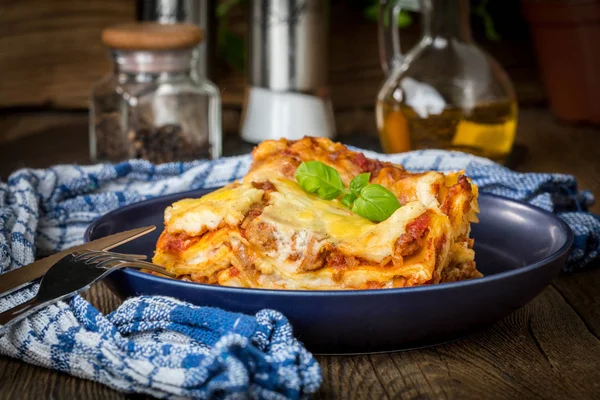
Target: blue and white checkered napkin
(167, 348)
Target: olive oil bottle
(488, 130)
(446, 92)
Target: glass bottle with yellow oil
(446, 92)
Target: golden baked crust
(267, 232)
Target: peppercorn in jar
(152, 106)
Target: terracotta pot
(566, 36)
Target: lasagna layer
(267, 232)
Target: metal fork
(107, 259)
(74, 274)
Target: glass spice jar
(152, 106)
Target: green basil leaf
(375, 203)
(316, 177)
(348, 199)
(359, 182)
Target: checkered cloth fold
(167, 348)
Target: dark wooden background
(51, 54)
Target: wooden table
(549, 349)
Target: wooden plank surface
(549, 349)
(51, 53)
(550, 145)
(544, 351)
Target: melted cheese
(227, 205)
(292, 210)
(298, 217)
(425, 188)
(297, 240)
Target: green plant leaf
(404, 19)
(232, 49)
(372, 12)
(348, 200)
(316, 177)
(488, 23)
(375, 203)
(359, 182)
(225, 6)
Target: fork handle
(18, 312)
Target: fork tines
(108, 260)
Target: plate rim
(350, 292)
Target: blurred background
(51, 54)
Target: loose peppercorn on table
(548, 349)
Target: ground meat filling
(462, 186)
(373, 285)
(261, 236)
(328, 256)
(316, 258)
(367, 165)
(266, 186)
(412, 240)
(460, 272)
(241, 253)
(175, 243)
(255, 211)
(406, 245)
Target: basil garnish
(371, 201)
(359, 182)
(316, 177)
(375, 203)
(348, 199)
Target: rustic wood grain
(556, 147)
(580, 292)
(17, 125)
(51, 53)
(60, 140)
(62, 137)
(22, 381)
(549, 349)
(542, 351)
(551, 146)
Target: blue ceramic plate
(519, 249)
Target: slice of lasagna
(267, 232)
